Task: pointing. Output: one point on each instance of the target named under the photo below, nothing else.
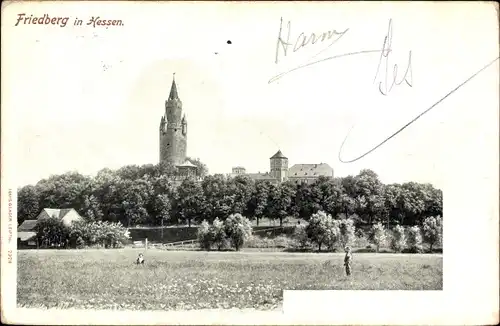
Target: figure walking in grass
(348, 260)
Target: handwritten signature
(386, 50)
(385, 84)
(333, 35)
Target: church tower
(173, 130)
(279, 166)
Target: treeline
(147, 195)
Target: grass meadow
(185, 280)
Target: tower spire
(173, 90)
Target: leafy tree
(414, 239)
(27, 203)
(238, 229)
(378, 235)
(91, 209)
(161, 208)
(321, 229)
(347, 232)
(189, 201)
(242, 187)
(280, 201)
(433, 231)
(398, 240)
(257, 202)
(369, 195)
(218, 199)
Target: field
(184, 280)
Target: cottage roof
(310, 170)
(27, 225)
(57, 212)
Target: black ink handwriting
(302, 40)
(385, 52)
(414, 119)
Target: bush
(99, 233)
(433, 231)
(219, 236)
(238, 229)
(414, 239)
(51, 232)
(205, 236)
(398, 241)
(300, 236)
(378, 235)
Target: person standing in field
(348, 260)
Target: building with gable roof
(67, 215)
(26, 234)
(279, 171)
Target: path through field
(185, 280)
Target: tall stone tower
(279, 166)
(173, 130)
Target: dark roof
(173, 91)
(27, 225)
(278, 155)
(25, 235)
(310, 170)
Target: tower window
(175, 129)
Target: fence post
(146, 246)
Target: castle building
(173, 130)
(279, 166)
(309, 173)
(279, 171)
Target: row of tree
(148, 195)
(323, 229)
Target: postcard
(264, 163)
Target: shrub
(414, 239)
(433, 231)
(99, 233)
(51, 232)
(300, 236)
(347, 232)
(205, 236)
(322, 229)
(398, 241)
(238, 229)
(378, 235)
(219, 236)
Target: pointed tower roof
(278, 155)
(173, 90)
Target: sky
(80, 98)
